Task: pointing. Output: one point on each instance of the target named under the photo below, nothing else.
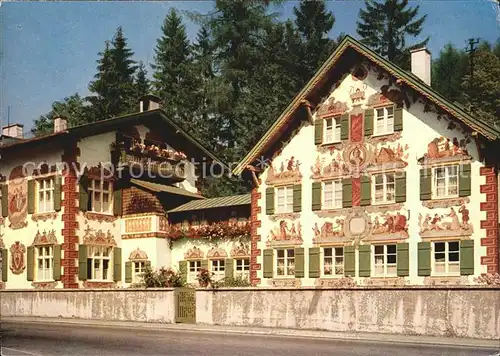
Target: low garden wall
(468, 312)
(457, 312)
(111, 305)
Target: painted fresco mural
(427, 138)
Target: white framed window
(217, 267)
(384, 120)
(284, 203)
(333, 261)
(332, 130)
(446, 258)
(139, 268)
(45, 197)
(445, 181)
(194, 269)
(383, 188)
(98, 263)
(332, 195)
(384, 260)
(242, 268)
(45, 263)
(285, 262)
(100, 194)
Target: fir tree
(482, 89)
(448, 71)
(314, 23)
(141, 82)
(173, 78)
(113, 87)
(385, 25)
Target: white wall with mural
(418, 139)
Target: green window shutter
(128, 272)
(403, 259)
(30, 263)
(316, 196)
(117, 202)
(314, 262)
(366, 191)
(368, 122)
(349, 261)
(117, 264)
(5, 265)
(347, 193)
(82, 262)
(183, 269)
(318, 131)
(299, 263)
(229, 268)
(425, 184)
(344, 127)
(365, 261)
(5, 200)
(31, 196)
(398, 117)
(400, 187)
(297, 198)
(57, 193)
(270, 201)
(424, 258)
(204, 264)
(466, 257)
(268, 263)
(84, 194)
(464, 180)
(57, 262)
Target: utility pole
(471, 50)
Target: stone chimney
(60, 124)
(149, 102)
(421, 64)
(14, 130)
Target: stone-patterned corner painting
(18, 199)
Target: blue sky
(49, 49)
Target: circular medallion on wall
(358, 225)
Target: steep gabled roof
(349, 44)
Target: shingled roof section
(457, 111)
(213, 203)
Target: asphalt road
(53, 339)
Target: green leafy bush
(162, 278)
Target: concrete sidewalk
(308, 334)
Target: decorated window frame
(138, 262)
(97, 189)
(46, 255)
(336, 193)
(287, 190)
(449, 172)
(333, 125)
(386, 184)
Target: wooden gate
(185, 305)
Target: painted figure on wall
(447, 223)
(285, 233)
(442, 147)
(332, 107)
(393, 224)
(329, 231)
(288, 171)
(18, 199)
(17, 264)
